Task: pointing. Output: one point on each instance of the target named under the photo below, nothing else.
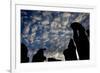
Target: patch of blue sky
(36, 44)
(47, 44)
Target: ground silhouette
(24, 52)
(70, 52)
(53, 59)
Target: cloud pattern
(49, 29)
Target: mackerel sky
(49, 29)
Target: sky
(49, 29)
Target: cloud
(45, 22)
(45, 35)
(31, 37)
(66, 14)
(24, 35)
(46, 13)
(37, 18)
(26, 29)
(57, 19)
(80, 17)
(55, 27)
(34, 28)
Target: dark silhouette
(70, 52)
(53, 59)
(81, 40)
(39, 57)
(24, 51)
(88, 32)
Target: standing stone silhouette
(24, 52)
(39, 57)
(81, 41)
(70, 52)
